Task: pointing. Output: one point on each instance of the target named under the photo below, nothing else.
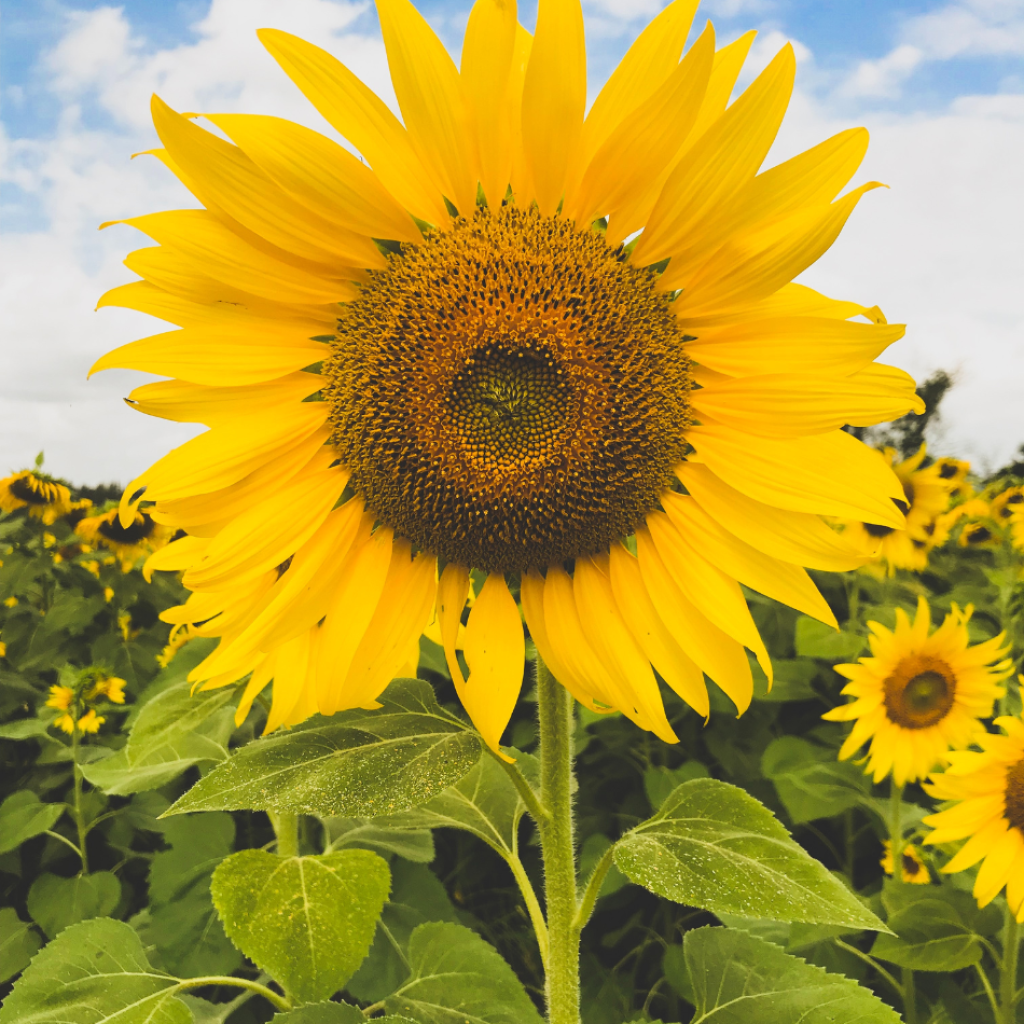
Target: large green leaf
(416, 898)
(810, 782)
(22, 816)
(735, 978)
(56, 902)
(95, 972)
(457, 978)
(306, 921)
(18, 943)
(484, 802)
(931, 935)
(712, 845)
(358, 764)
(173, 731)
(181, 921)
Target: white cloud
(971, 28)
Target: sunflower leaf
(18, 944)
(356, 764)
(93, 972)
(930, 936)
(22, 816)
(712, 845)
(810, 782)
(456, 976)
(733, 977)
(307, 921)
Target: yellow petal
(452, 591)
(554, 99)
(209, 358)
(708, 588)
(430, 97)
(531, 594)
(644, 143)
(191, 403)
(256, 316)
(290, 678)
(716, 653)
(487, 85)
(222, 456)
(674, 665)
(495, 650)
(793, 344)
(201, 239)
(729, 62)
(258, 682)
(893, 380)
(320, 174)
(223, 504)
(813, 178)
(273, 530)
(360, 586)
(361, 117)
(405, 608)
(724, 160)
(777, 579)
(828, 474)
(647, 63)
(522, 187)
(299, 598)
(221, 176)
(609, 636)
(175, 557)
(792, 405)
(750, 267)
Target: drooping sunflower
(45, 498)
(480, 349)
(914, 871)
(920, 693)
(925, 497)
(128, 543)
(954, 472)
(988, 786)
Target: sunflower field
(561, 618)
(743, 874)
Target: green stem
(286, 826)
(77, 811)
(1008, 970)
(909, 997)
(562, 983)
(279, 1002)
(987, 985)
(872, 962)
(540, 928)
(896, 831)
(523, 788)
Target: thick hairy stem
(555, 709)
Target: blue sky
(940, 84)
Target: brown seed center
(920, 692)
(1015, 796)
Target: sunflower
(478, 349)
(988, 786)
(914, 870)
(920, 693)
(925, 498)
(141, 536)
(45, 498)
(954, 472)
(1007, 504)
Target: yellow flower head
(45, 498)
(954, 472)
(988, 786)
(61, 697)
(505, 383)
(180, 635)
(920, 693)
(980, 534)
(110, 687)
(3, 649)
(925, 498)
(89, 722)
(128, 543)
(914, 870)
(11, 602)
(66, 723)
(108, 592)
(1005, 506)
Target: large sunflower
(458, 356)
(920, 693)
(988, 787)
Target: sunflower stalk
(77, 810)
(562, 984)
(286, 828)
(1008, 970)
